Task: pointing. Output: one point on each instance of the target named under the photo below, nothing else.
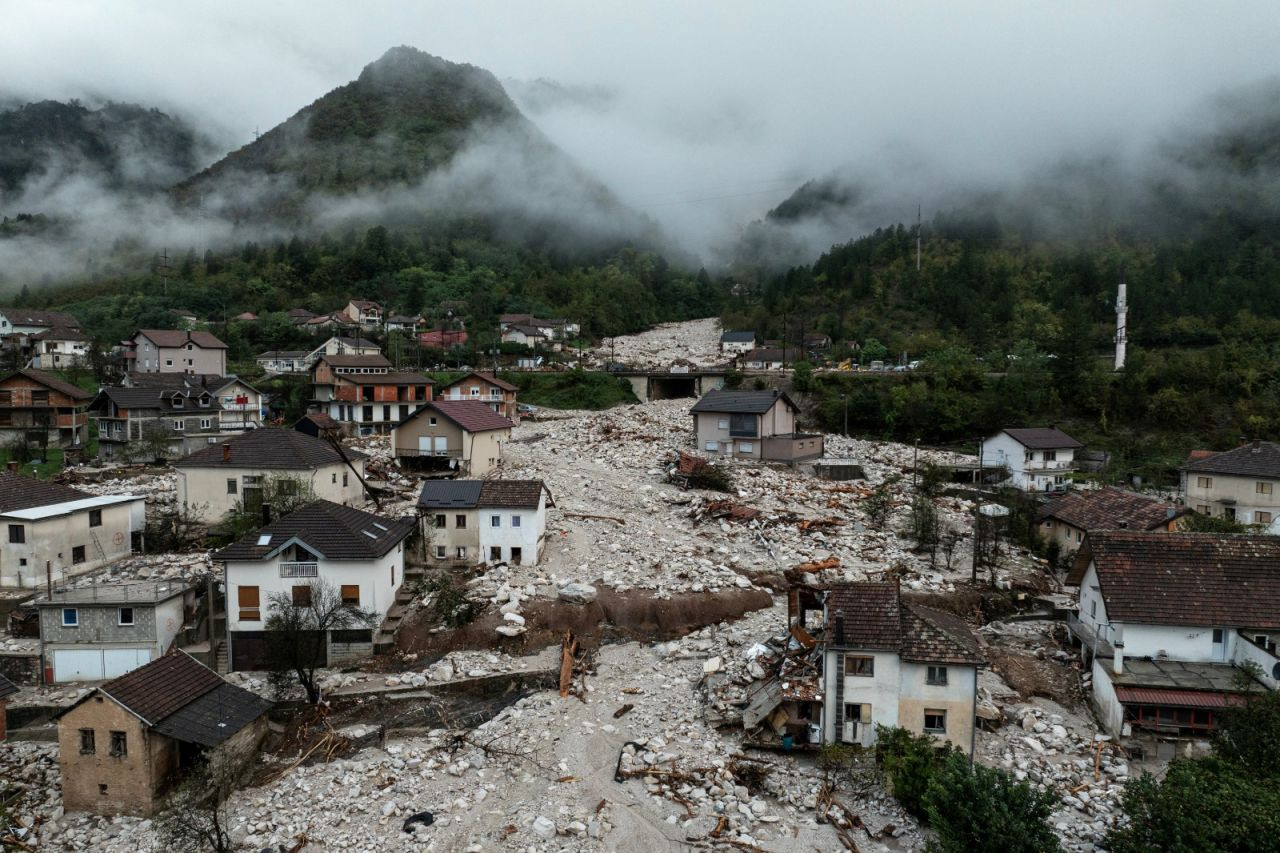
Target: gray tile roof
(740, 402)
(1257, 459)
(738, 337)
(1110, 509)
(31, 317)
(1042, 438)
(334, 531)
(450, 494)
(268, 448)
(214, 716)
(157, 689)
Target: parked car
(526, 409)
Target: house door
(441, 445)
(1219, 644)
(424, 445)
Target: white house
(359, 554)
(58, 348)
(894, 663)
(365, 313)
(1167, 619)
(27, 321)
(283, 361)
(213, 481)
(52, 532)
(493, 521)
(1037, 459)
(737, 342)
(1241, 484)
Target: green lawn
(51, 465)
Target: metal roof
(450, 494)
(1046, 438)
(1175, 698)
(67, 507)
(740, 402)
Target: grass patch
(45, 469)
(574, 389)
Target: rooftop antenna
(918, 228)
(1122, 311)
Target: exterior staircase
(385, 635)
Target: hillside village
(422, 613)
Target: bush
(974, 808)
(712, 477)
(909, 763)
(449, 601)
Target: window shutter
(865, 712)
(248, 596)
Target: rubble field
(695, 341)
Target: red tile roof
(1174, 698)
(471, 415)
(1185, 578)
(484, 377)
(1111, 509)
(875, 617)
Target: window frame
(75, 617)
(936, 674)
(88, 742)
(133, 616)
(17, 534)
(119, 744)
(78, 555)
(862, 662)
(350, 593)
(940, 713)
(495, 521)
(249, 612)
(95, 518)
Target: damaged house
(753, 425)
(859, 656)
(1068, 519)
(1167, 623)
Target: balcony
(299, 570)
(448, 453)
(1049, 466)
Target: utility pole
(915, 464)
(919, 226)
(977, 518)
(845, 399)
(164, 271)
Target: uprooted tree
(298, 627)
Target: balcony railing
(299, 570)
(450, 453)
(1050, 466)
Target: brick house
(458, 435)
(499, 395)
(7, 689)
(1068, 519)
(176, 351)
(41, 407)
(123, 745)
(364, 394)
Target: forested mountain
(125, 147)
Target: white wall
(1178, 642)
(1110, 711)
(880, 692)
(506, 536)
(53, 539)
(377, 589)
(206, 488)
(1002, 449)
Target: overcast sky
(718, 109)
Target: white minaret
(1122, 309)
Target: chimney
(1124, 525)
(226, 452)
(13, 466)
(1117, 662)
(839, 637)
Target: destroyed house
(123, 745)
(358, 554)
(1068, 519)
(1166, 620)
(753, 425)
(462, 436)
(1241, 484)
(217, 480)
(491, 521)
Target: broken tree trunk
(568, 653)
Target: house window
(516, 555)
(460, 522)
(936, 675)
(88, 746)
(206, 423)
(440, 520)
(17, 534)
(179, 425)
(515, 521)
(1204, 482)
(231, 485)
(333, 478)
(302, 596)
(495, 521)
(439, 552)
(345, 478)
(855, 715)
(95, 518)
(1229, 512)
(1262, 517)
(712, 446)
(860, 665)
(1093, 609)
(77, 554)
(126, 616)
(495, 553)
(249, 607)
(119, 744)
(168, 362)
(1051, 456)
(1263, 488)
(351, 594)
(431, 421)
(462, 552)
(1203, 509)
(70, 617)
(724, 423)
(935, 721)
(1079, 536)
(746, 447)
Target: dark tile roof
(159, 397)
(179, 338)
(268, 448)
(935, 636)
(60, 333)
(7, 687)
(528, 330)
(486, 377)
(374, 360)
(511, 493)
(740, 402)
(19, 492)
(336, 532)
(738, 337)
(872, 616)
(471, 415)
(773, 354)
(156, 690)
(450, 494)
(51, 382)
(1185, 578)
(1257, 459)
(211, 381)
(354, 343)
(322, 420)
(1042, 438)
(283, 353)
(31, 317)
(215, 716)
(1110, 509)
(299, 312)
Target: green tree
(977, 809)
(802, 376)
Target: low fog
(700, 117)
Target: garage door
(77, 665)
(116, 662)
